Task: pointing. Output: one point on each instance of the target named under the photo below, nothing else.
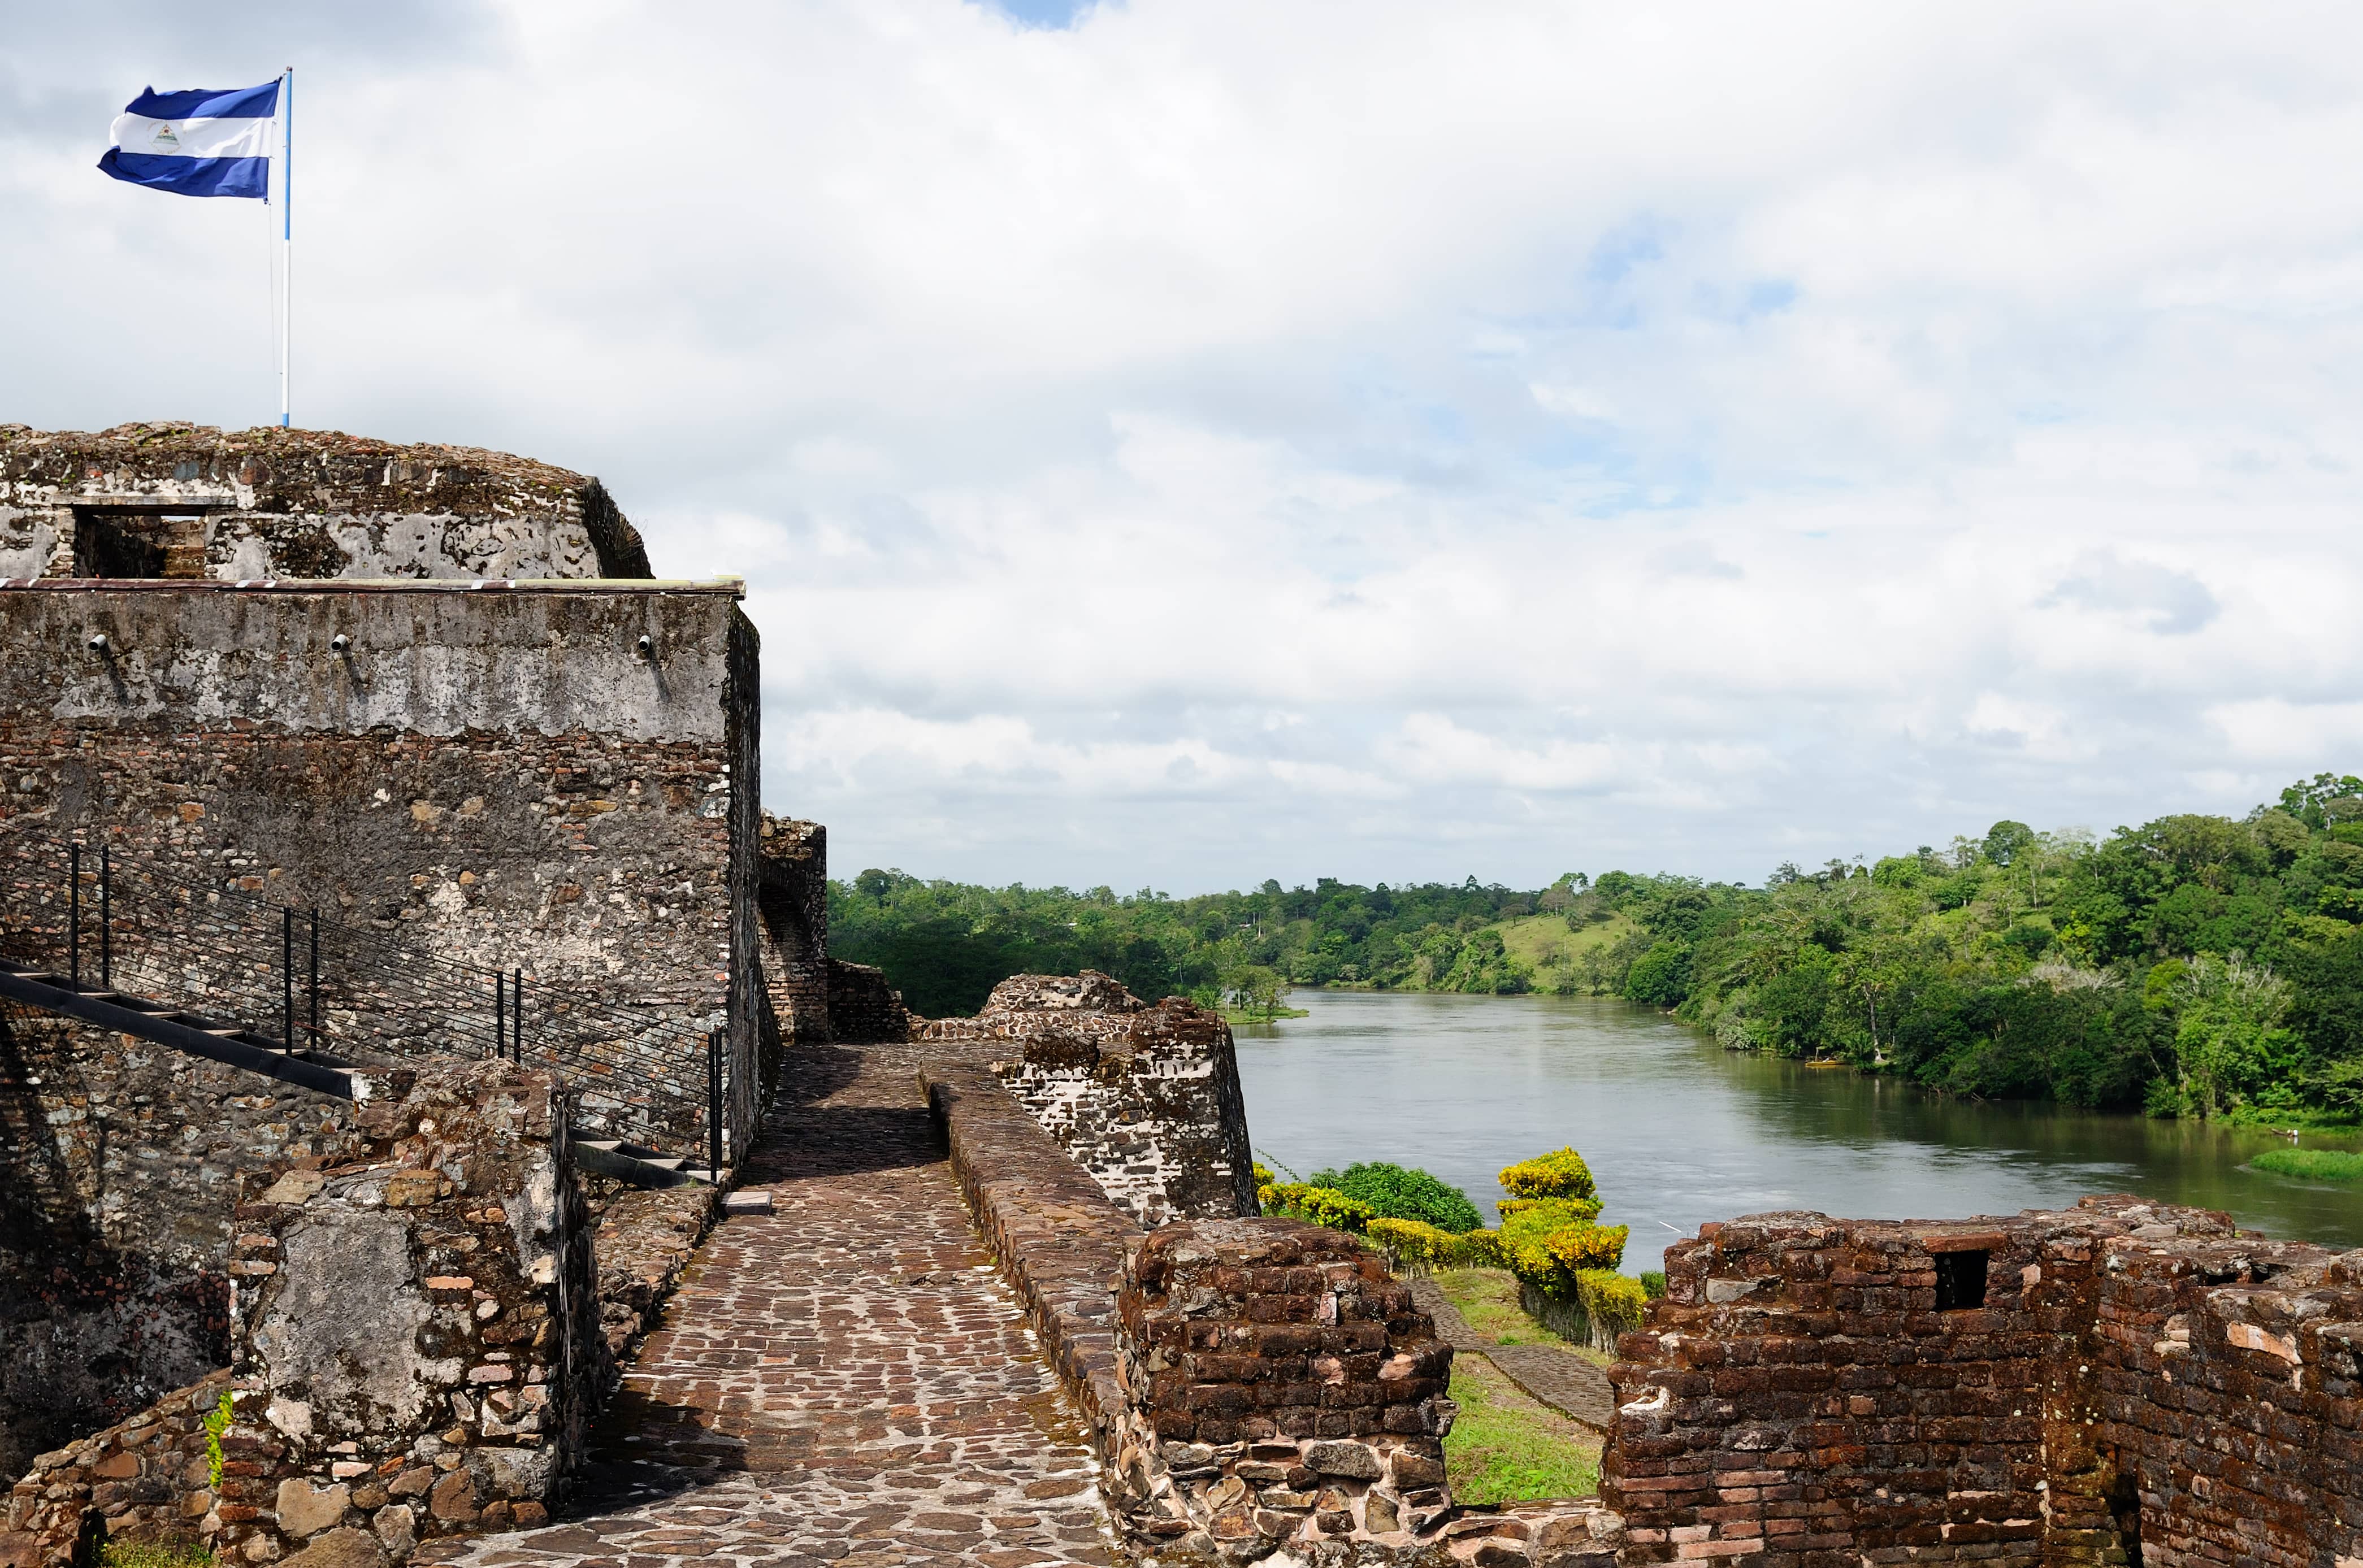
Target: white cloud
(1220, 439)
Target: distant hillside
(2195, 966)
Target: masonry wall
(119, 1165)
(792, 895)
(189, 501)
(417, 1345)
(1146, 1099)
(863, 1007)
(503, 779)
(2134, 1379)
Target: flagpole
(286, 237)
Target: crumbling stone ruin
(2120, 1382)
(1144, 1099)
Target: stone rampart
(1252, 1386)
(2121, 1379)
(417, 1345)
(191, 501)
(1147, 1098)
(505, 779)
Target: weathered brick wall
(792, 894)
(1146, 1099)
(193, 502)
(863, 1007)
(120, 1165)
(501, 778)
(2130, 1376)
(1251, 1386)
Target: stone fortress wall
(184, 502)
(558, 775)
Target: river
(1678, 1131)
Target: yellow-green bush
(1548, 1244)
(1512, 1206)
(1614, 1303)
(1417, 1245)
(1321, 1205)
(1559, 1174)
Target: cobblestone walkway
(842, 1381)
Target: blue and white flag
(201, 142)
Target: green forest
(2195, 965)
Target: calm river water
(1678, 1131)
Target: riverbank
(1680, 1132)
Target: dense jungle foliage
(2195, 965)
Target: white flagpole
(287, 236)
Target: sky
(1174, 443)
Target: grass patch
(1507, 1447)
(2319, 1165)
(154, 1554)
(1543, 942)
(1236, 1016)
(1488, 1297)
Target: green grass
(154, 1554)
(1536, 940)
(1488, 1297)
(1235, 1016)
(2320, 1165)
(1506, 1447)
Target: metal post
(516, 1017)
(500, 1013)
(315, 976)
(287, 978)
(73, 915)
(713, 1104)
(105, 925)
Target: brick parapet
(2133, 1375)
(1251, 1386)
(792, 895)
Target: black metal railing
(179, 933)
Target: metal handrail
(165, 935)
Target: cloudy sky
(1180, 442)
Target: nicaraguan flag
(197, 143)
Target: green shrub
(1401, 1193)
(217, 1421)
(1420, 1247)
(154, 1554)
(1321, 1205)
(1559, 1174)
(1616, 1303)
(2320, 1165)
(1587, 1207)
(1549, 1245)
(1653, 1283)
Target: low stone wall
(646, 1237)
(1252, 1385)
(119, 1163)
(148, 1478)
(415, 1337)
(2053, 1388)
(1145, 1097)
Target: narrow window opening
(1960, 1280)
